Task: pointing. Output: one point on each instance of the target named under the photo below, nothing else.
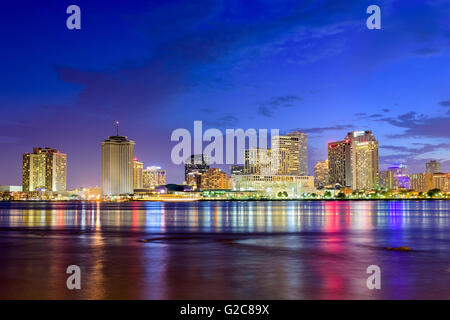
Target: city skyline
(317, 69)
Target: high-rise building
(303, 151)
(194, 179)
(339, 171)
(353, 162)
(137, 174)
(285, 155)
(44, 169)
(433, 166)
(321, 174)
(364, 160)
(214, 178)
(153, 176)
(257, 161)
(196, 163)
(117, 165)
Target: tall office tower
(237, 169)
(285, 154)
(257, 161)
(196, 163)
(321, 174)
(303, 151)
(364, 160)
(44, 169)
(153, 176)
(215, 178)
(137, 174)
(383, 180)
(339, 171)
(117, 165)
(433, 166)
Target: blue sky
(159, 65)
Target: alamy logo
(215, 149)
(373, 281)
(74, 280)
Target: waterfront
(225, 250)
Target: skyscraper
(153, 176)
(339, 163)
(44, 169)
(433, 166)
(196, 163)
(137, 174)
(303, 151)
(117, 165)
(321, 174)
(285, 155)
(354, 161)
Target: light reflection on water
(225, 250)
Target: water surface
(225, 250)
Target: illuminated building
(364, 160)
(117, 165)
(339, 163)
(196, 163)
(353, 162)
(433, 166)
(214, 178)
(257, 161)
(397, 177)
(285, 155)
(194, 179)
(441, 181)
(303, 151)
(321, 174)
(421, 181)
(153, 176)
(44, 169)
(137, 174)
(384, 180)
(274, 185)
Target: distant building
(353, 162)
(44, 169)
(274, 185)
(194, 179)
(421, 182)
(137, 174)
(397, 177)
(117, 165)
(11, 188)
(433, 166)
(321, 174)
(285, 155)
(214, 178)
(441, 181)
(196, 163)
(237, 169)
(257, 161)
(384, 180)
(153, 176)
(339, 163)
(303, 151)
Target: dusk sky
(156, 66)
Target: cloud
(422, 126)
(223, 121)
(445, 103)
(268, 109)
(348, 127)
(426, 52)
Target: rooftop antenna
(117, 127)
